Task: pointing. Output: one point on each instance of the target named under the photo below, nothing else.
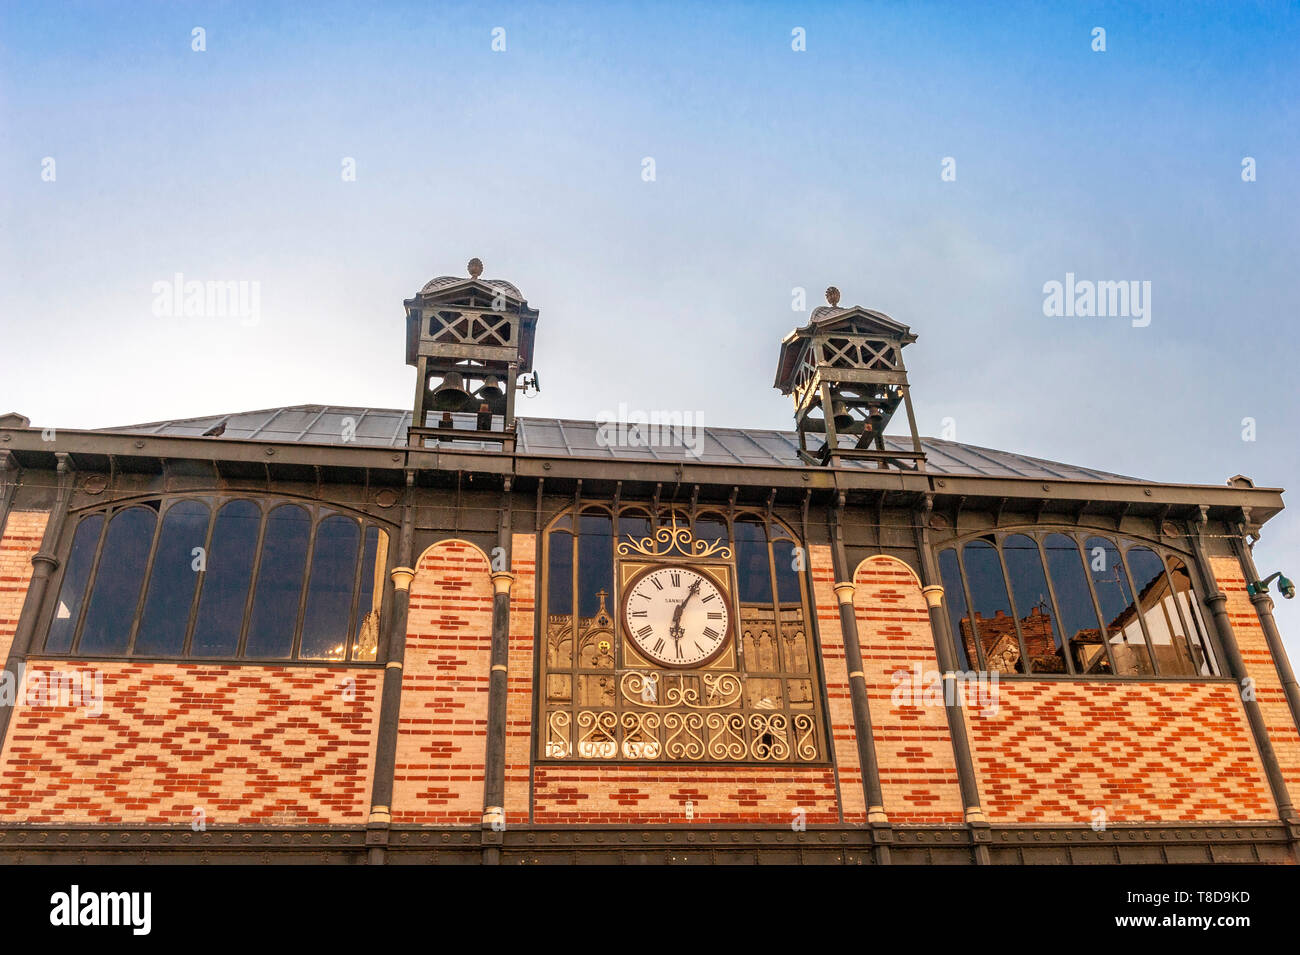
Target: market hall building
(452, 634)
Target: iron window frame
(318, 512)
(1079, 535)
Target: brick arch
(442, 724)
(880, 562)
(918, 771)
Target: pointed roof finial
(475, 268)
(833, 296)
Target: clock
(677, 616)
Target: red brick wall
(1055, 751)
(442, 725)
(658, 795)
(826, 607)
(1282, 732)
(22, 538)
(265, 745)
(918, 771)
(519, 696)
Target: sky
(659, 179)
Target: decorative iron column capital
(844, 591)
(933, 595)
(402, 577)
(502, 581)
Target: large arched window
(221, 578)
(1080, 603)
(757, 700)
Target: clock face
(676, 616)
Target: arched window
(756, 700)
(221, 579)
(1086, 604)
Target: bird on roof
(216, 430)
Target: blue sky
(775, 169)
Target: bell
(491, 390)
(450, 395)
(484, 421)
(843, 420)
(876, 415)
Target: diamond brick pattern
(1055, 751)
(260, 745)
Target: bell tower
(471, 342)
(844, 371)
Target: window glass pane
(595, 605)
(711, 528)
(116, 592)
(1038, 624)
(954, 594)
(787, 578)
(73, 591)
(225, 582)
(791, 627)
(1074, 601)
(374, 561)
(1190, 607)
(634, 524)
(279, 583)
(1123, 628)
(595, 563)
(327, 617)
(172, 581)
(995, 625)
(755, 581)
(559, 612)
(1164, 623)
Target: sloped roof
(384, 427)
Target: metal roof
(555, 437)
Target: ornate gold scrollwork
(727, 739)
(672, 538)
(641, 735)
(806, 729)
(597, 742)
(557, 734)
(687, 725)
(721, 690)
(769, 740)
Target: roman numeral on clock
(655, 581)
(715, 614)
(676, 579)
(639, 613)
(645, 632)
(705, 600)
(711, 633)
(659, 646)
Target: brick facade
(519, 696)
(826, 607)
(23, 532)
(687, 795)
(918, 772)
(1282, 732)
(442, 726)
(1056, 752)
(266, 745)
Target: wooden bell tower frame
(845, 374)
(478, 329)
